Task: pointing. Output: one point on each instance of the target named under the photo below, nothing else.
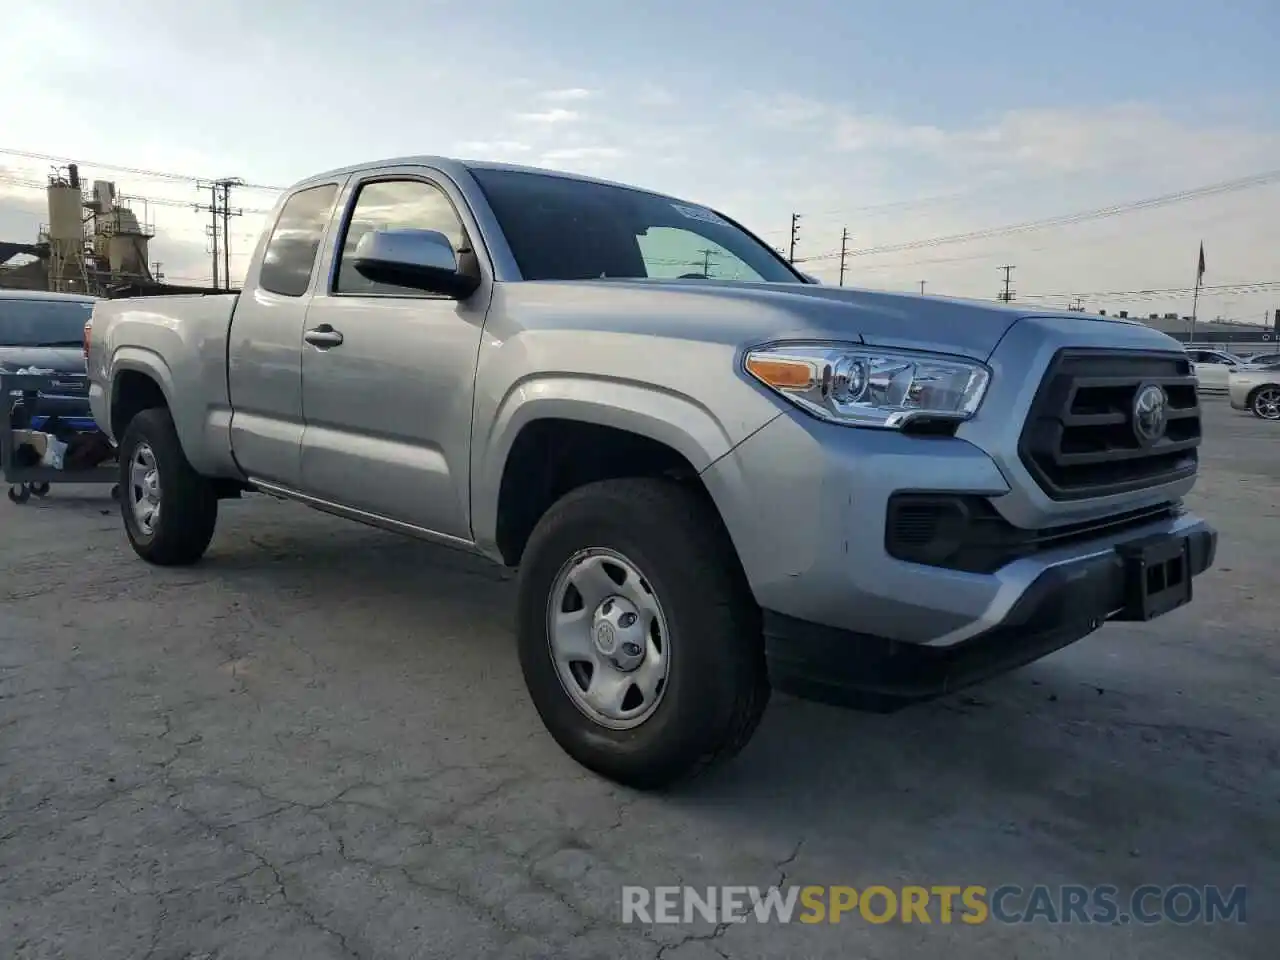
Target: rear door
(388, 409)
(264, 352)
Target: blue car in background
(45, 331)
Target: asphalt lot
(317, 744)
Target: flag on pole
(1200, 268)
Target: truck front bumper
(1065, 603)
(807, 503)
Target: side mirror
(419, 259)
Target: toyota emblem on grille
(1150, 413)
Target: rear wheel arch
(133, 391)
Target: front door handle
(323, 336)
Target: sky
(904, 123)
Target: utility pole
(156, 275)
(706, 261)
(211, 231)
(220, 213)
(227, 213)
(795, 235)
(922, 288)
(1007, 293)
(844, 252)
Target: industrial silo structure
(67, 268)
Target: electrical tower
(795, 235)
(844, 252)
(1007, 293)
(219, 229)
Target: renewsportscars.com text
(944, 904)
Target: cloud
(788, 111)
(554, 115)
(653, 95)
(570, 154)
(569, 93)
(492, 148)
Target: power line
(1070, 219)
(154, 201)
(1157, 293)
(137, 171)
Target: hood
(57, 359)
(730, 312)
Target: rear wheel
(639, 638)
(169, 510)
(1265, 402)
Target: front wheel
(1265, 403)
(639, 639)
(169, 510)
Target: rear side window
(43, 323)
(291, 251)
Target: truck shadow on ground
(1046, 762)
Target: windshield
(43, 323)
(563, 229)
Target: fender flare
(672, 419)
(141, 360)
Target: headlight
(869, 387)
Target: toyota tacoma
(715, 477)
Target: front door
(388, 408)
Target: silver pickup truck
(715, 477)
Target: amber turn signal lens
(782, 374)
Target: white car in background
(1213, 368)
(1261, 360)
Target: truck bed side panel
(181, 343)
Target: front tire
(169, 510)
(639, 639)
(1265, 402)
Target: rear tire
(680, 572)
(155, 473)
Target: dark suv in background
(45, 331)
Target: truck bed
(181, 341)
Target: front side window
(43, 323)
(395, 205)
(295, 241)
(564, 229)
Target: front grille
(1080, 438)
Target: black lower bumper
(1138, 581)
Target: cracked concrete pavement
(317, 744)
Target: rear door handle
(323, 336)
